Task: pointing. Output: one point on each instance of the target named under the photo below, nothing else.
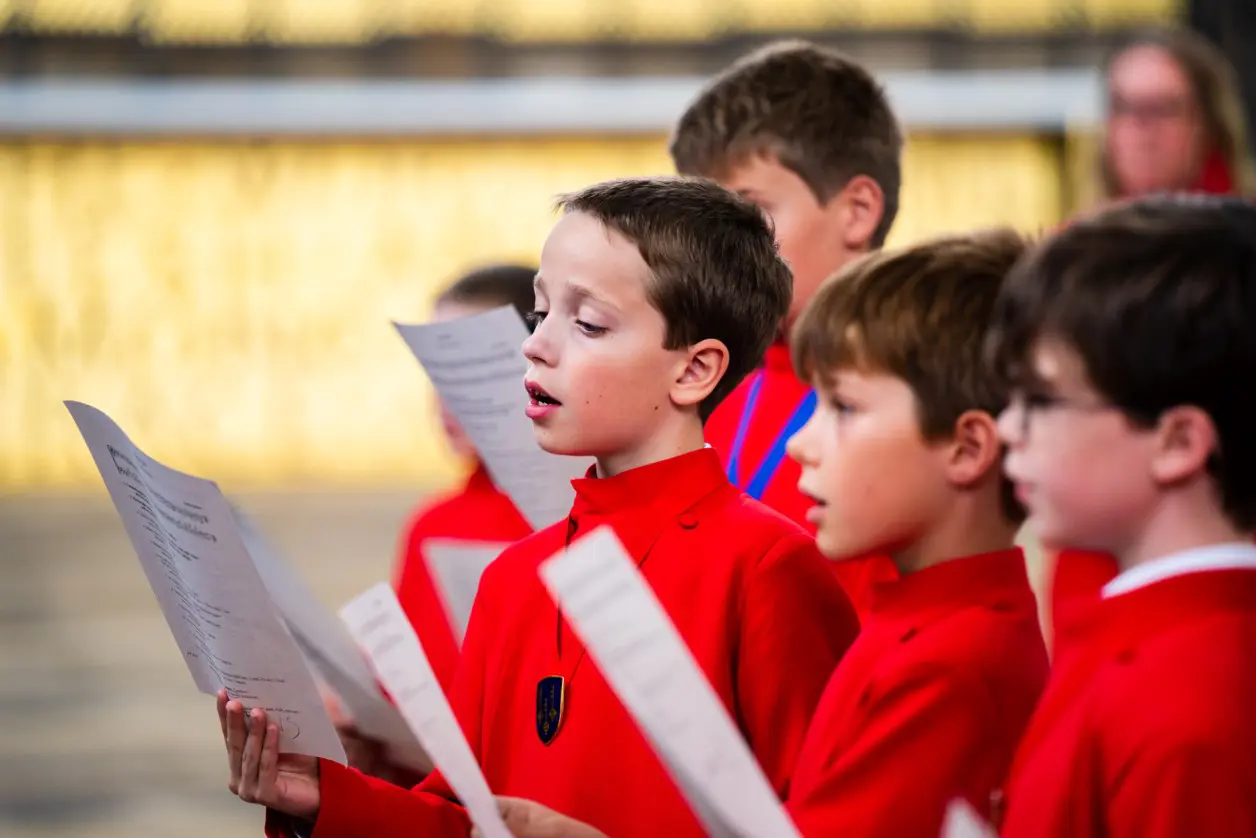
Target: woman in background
(1175, 120)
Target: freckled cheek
(607, 390)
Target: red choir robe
(749, 429)
(477, 512)
(928, 705)
(1147, 726)
(1076, 585)
(754, 600)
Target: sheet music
(962, 821)
(476, 364)
(381, 628)
(330, 651)
(208, 588)
(645, 660)
(457, 566)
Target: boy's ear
(704, 365)
(860, 206)
(1185, 439)
(975, 449)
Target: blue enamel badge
(551, 700)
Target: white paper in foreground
(331, 652)
(645, 660)
(476, 364)
(457, 567)
(962, 821)
(208, 588)
(381, 628)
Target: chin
(837, 549)
(559, 444)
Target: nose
(538, 347)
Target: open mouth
(539, 396)
(817, 501)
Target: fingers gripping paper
(376, 620)
(476, 364)
(645, 660)
(215, 603)
(330, 652)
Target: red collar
(641, 502)
(986, 579)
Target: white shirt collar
(1236, 556)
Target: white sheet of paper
(381, 628)
(457, 567)
(962, 821)
(645, 660)
(208, 588)
(476, 364)
(330, 651)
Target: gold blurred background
(227, 300)
(229, 303)
(296, 22)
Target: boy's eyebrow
(581, 292)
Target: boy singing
(655, 297)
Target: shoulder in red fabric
(1147, 729)
(928, 705)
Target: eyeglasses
(1162, 109)
(1024, 406)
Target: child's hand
(526, 819)
(259, 773)
(362, 752)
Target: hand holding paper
(529, 819)
(208, 588)
(373, 728)
(260, 774)
(375, 618)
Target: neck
(1188, 519)
(971, 526)
(671, 440)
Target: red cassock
(928, 705)
(478, 512)
(1077, 580)
(750, 428)
(1148, 726)
(748, 591)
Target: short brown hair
(822, 115)
(494, 285)
(715, 269)
(1158, 299)
(921, 315)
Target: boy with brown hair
(655, 296)
(902, 457)
(809, 137)
(1129, 338)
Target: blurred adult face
(1156, 139)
